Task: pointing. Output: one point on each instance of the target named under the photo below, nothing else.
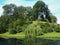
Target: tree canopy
(15, 18)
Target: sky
(53, 5)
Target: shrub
(50, 29)
(19, 29)
(12, 31)
(33, 30)
(57, 28)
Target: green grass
(53, 36)
(7, 35)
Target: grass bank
(7, 35)
(53, 35)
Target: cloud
(1, 10)
(54, 7)
(29, 0)
(58, 18)
(17, 2)
(55, 10)
(22, 2)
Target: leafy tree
(9, 9)
(41, 11)
(33, 29)
(53, 19)
(57, 28)
(3, 24)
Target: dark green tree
(41, 11)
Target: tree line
(16, 19)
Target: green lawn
(53, 35)
(7, 35)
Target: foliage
(57, 28)
(12, 31)
(33, 29)
(41, 11)
(53, 19)
(18, 19)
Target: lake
(14, 41)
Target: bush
(2, 31)
(19, 29)
(50, 29)
(12, 31)
(57, 28)
(33, 29)
(47, 29)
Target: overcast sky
(53, 5)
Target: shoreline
(52, 36)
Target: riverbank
(7, 35)
(52, 36)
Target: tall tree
(41, 11)
(9, 9)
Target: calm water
(14, 41)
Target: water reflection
(26, 41)
(45, 42)
(29, 41)
(11, 41)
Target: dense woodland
(16, 19)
